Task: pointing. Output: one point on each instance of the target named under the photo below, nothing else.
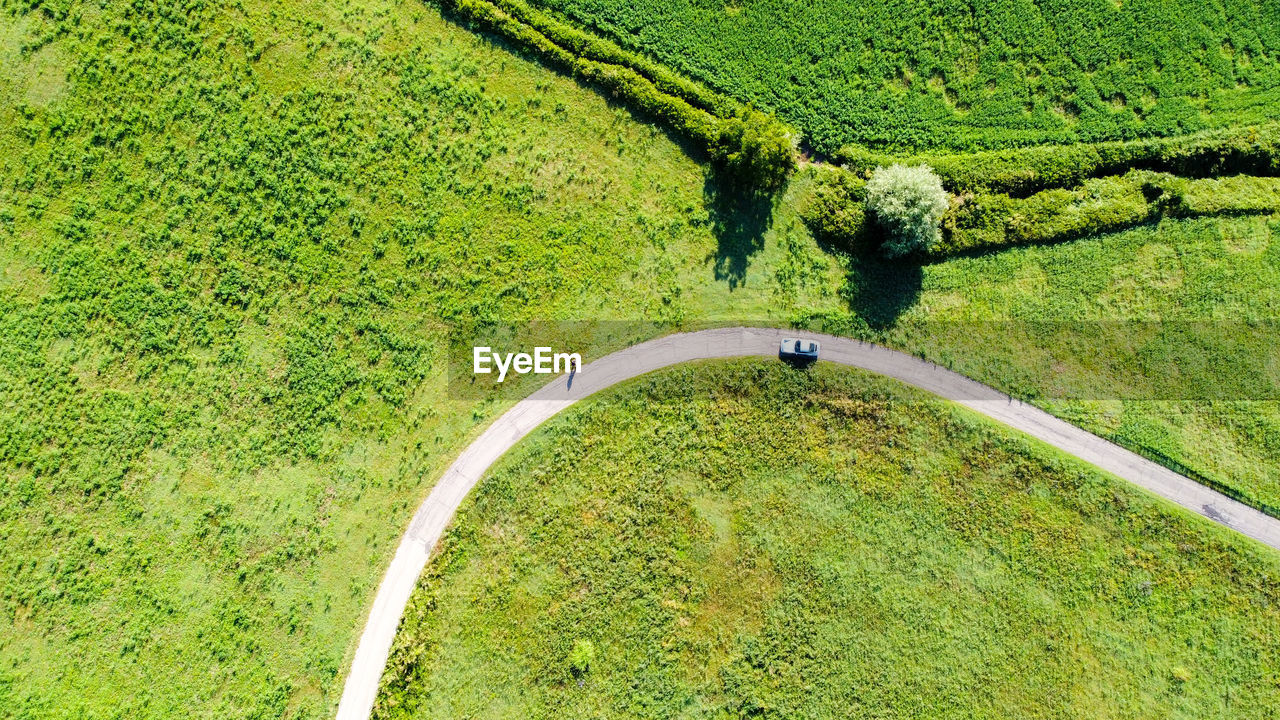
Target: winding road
(435, 513)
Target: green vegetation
(232, 240)
(744, 540)
(753, 147)
(834, 210)
(907, 204)
(1162, 338)
(1020, 172)
(930, 74)
(1100, 206)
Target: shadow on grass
(876, 289)
(881, 290)
(740, 217)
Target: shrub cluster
(1248, 150)
(833, 210)
(995, 220)
(753, 147)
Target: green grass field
(232, 238)
(1162, 338)
(743, 540)
(929, 74)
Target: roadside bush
(908, 204)
(833, 210)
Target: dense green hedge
(994, 220)
(1100, 205)
(591, 47)
(753, 147)
(1249, 150)
(834, 210)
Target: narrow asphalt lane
(433, 516)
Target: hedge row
(834, 209)
(586, 45)
(1249, 150)
(754, 147)
(1100, 205)
(996, 220)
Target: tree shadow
(877, 289)
(740, 217)
(881, 290)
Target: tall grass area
(232, 237)
(743, 540)
(929, 74)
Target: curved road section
(437, 510)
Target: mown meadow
(741, 539)
(233, 237)
(927, 74)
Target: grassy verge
(1161, 337)
(737, 539)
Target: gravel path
(436, 511)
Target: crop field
(927, 74)
(231, 240)
(743, 540)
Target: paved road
(435, 513)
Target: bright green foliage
(757, 149)
(834, 208)
(744, 540)
(1232, 195)
(1100, 206)
(907, 203)
(929, 74)
(581, 656)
